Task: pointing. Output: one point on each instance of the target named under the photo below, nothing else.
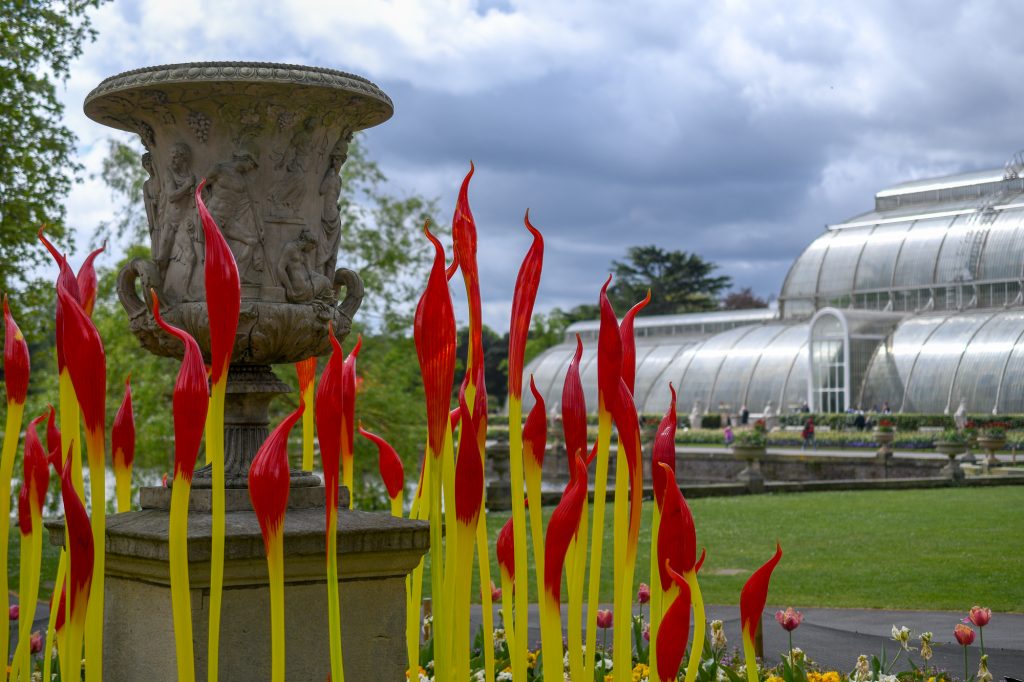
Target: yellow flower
(609, 678)
(641, 672)
(774, 678)
(830, 676)
(531, 659)
(814, 676)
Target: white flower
(504, 676)
(901, 635)
(888, 678)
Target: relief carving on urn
(270, 141)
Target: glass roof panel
(840, 262)
(916, 265)
(802, 279)
(879, 256)
(1001, 258)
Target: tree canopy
(38, 41)
(679, 282)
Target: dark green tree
(680, 282)
(39, 39)
(744, 299)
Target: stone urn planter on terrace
(951, 449)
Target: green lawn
(915, 549)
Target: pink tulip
(980, 616)
(643, 595)
(789, 619)
(495, 592)
(12, 613)
(964, 635)
(36, 642)
(604, 619)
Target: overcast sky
(734, 130)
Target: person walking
(808, 434)
(727, 433)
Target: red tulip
(328, 420)
(643, 593)
(16, 359)
(389, 463)
(964, 635)
(535, 431)
(523, 297)
(980, 616)
(562, 527)
(629, 343)
(574, 405)
(190, 400)
(87, 281)
(674, 630)
(36, 643)
(269, 479)
(604, 619)
(753, 597)
(495, 592)
(789, 619)
(434, 332)
(13, 611)
(223, 291)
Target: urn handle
(137, 269)
(353, 284)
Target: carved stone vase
(270, 141)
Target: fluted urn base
(246, 425)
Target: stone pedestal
(375, 554)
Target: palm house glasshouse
(916, 304)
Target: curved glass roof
(748, 365)
(936, 361)
(966, 229)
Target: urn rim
(194, 73)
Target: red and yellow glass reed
(86, 363)
(223, 300)
(269, 482)
(434, 335)
(328, 429)
(523, 299)
(35, 481)
(391, 471)
(305, 370)
(122, 447)
(752, 601)
(348, 417)
(662, 451)
(16, 373)
(609, 367)
(674, 629)
(562, 527)
(79, 541)
(190, 401)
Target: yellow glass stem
(597, 539)
(451, 540)
(275, 570)
(333, 598)
(699, 626)
(626, 591)
(521, 575)
(12, 432)
(206, 430)
(307, 429)
(123, 485)
(621, 592)
(463, 574)
(483, 555)
(575, 584)
(70, 428)
(96, 449)
(24, 619)
(506, 609)
(437, 567)
(346, 474)
(551, 638)
(58, 583)
(181, 605)
(215, 452)
(414, 582)
(532, 473)
(31, 596)
(749, 656)
(656, 593)
(396, 506)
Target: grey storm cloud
(731, 130)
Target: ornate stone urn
(270, 141)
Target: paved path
(835, 637)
